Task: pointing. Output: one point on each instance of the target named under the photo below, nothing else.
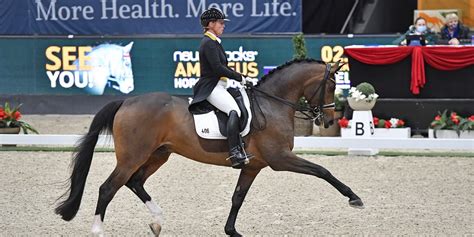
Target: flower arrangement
(10, 118)
(378, 123)
(452, 122)
(364, 91)
(391, 123)
(344, 122)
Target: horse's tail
(81, 163)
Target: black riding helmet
(212, 14)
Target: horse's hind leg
(137, 181)
(127, 165)
(121, 174)
(290, 162)
(246, 178)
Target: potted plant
(392, 128)
(452, 126)
(10, 122)
(362, 97)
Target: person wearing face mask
(418, 28)
(211, 87)
(454, 32)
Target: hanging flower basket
(362, 97)
(360, 105)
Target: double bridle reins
(314, 113)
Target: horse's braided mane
(286, 64)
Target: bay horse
(167, 127)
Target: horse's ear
(336, 67)
(128, 47)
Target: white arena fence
(300, 142)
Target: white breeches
(222, 99)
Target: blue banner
(134, 17)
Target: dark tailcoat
(213, 62)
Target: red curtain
(439, 57)
(449, 58)
(379, 56)
(417, 71)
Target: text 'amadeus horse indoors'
(167, 127)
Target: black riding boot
(237, 155)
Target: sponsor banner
(136, 66)
(90, 68)
(130, 17)
(187, 70)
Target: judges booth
(414, 83)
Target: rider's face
(217, 27)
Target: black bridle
(314, 113)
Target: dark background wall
(325, 16)
(390, 16)
(370, 16)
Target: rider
(212, 84)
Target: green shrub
(365, 88)
(299, 46)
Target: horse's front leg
(246, 178)
(288, 161)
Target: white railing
(300, 142)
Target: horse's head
(310, 78)
(319, 92)
(121, 70)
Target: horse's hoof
(98, 233)
(357, 203)
(233, 233)
(236, 234)
(155, 228)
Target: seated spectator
(453, 31)
(419, 28)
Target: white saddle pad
(207, 125)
